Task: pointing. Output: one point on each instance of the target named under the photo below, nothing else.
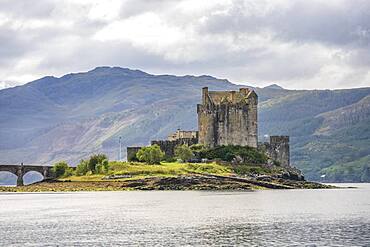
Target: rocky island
(169, 176)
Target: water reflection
(265, 218)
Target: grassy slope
(165, 169)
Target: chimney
(204, 95)
(233, 98)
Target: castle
(228, 118)
(225, 118)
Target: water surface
(337, 217)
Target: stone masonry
(228, 118)
(277, 149)
(21, 170)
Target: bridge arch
(31, 177)
(8, 178)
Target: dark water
(339, 217)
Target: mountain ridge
(70, 117)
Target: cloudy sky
(294, 43)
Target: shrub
(169, 159)
(69, 172)
(183, 152)
(95, 160)
(152, 154)
(228, 153)
(99, 169)
(105, 164)
(82, 168)
(197, 147)
(197, 150)
(60, 169)
(102, 167)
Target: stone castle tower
(228, 118)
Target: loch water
(332, 217)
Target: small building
(180, 137)
(181, 134)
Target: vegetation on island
(151, 154)
(221, 168)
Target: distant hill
(70, 117)
(273, 86)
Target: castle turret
(279, 149)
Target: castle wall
(131, 153)
(168, 147)
(179, 134)
(278, 149)
(228, 118)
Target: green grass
(166, 169)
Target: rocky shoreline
(183, 182)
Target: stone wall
(131, 153)
(278, 149)
(168, 147)
(180, 134)
(228, 118)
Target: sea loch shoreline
(194, 182)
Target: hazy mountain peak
(274, 86)
(117, 70)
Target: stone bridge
(21, 170)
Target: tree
(82, 168)
(95, 160)
(60, 169)
(183, 152)
(105, 165)
(152, 154)
(102, 168)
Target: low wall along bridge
(21, 170)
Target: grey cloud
(13, 46)
(27, 8)
(303, 21)
(70, 48)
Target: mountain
(70, 117)
(273, 86)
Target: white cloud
(298, 44)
